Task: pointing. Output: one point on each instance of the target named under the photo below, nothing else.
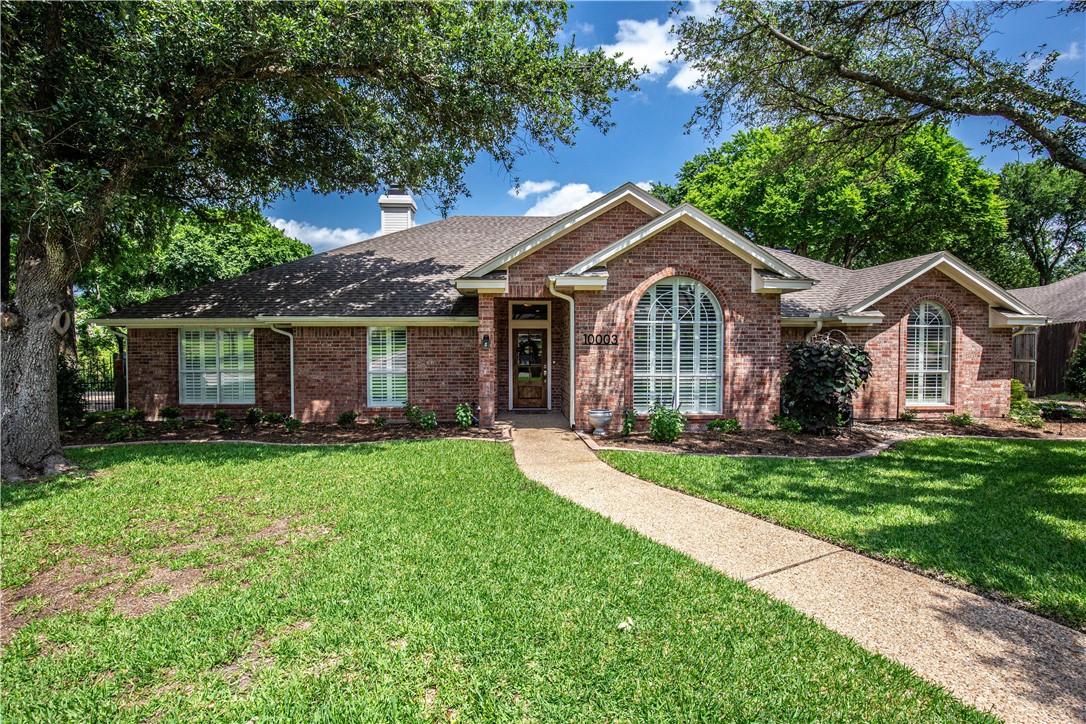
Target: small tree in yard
(116, 115)
(1075, 377)
(822, 378)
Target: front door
(530, 368)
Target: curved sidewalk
(1020, 667)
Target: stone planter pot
(599, 420)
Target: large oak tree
(114, 111)
(1046, 216)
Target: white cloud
(1072, 53)
(648, 43)
(530, 188)
(644, 185)
(321, 238)
(686, 79)
(565, 199)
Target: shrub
(1056, 411)
(464, 416)
(170, 413)
(380, 420)
(1075, 377)
(1018, 392)
(292, 424)
(71, 393)
(823, 376)
(666, 424)
(1026, 413)
(92, 417)
(122, 431)
(274, 418)
(722, 425)
(629, 422)
(962, 420)
(786, 423)
(253, 416)
(223, 420)
(173, 423)
(907, 416)
(347, 418)
(412, 413)
(134, 414)
(428, 421)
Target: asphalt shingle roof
(1062, 301)
(404, 274)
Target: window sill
(930, 408)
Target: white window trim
(923, 370)
(677, 375)
(218, 365)
(371, 401)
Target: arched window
(927, 357)
(677, 347)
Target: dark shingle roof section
(1062, 301)
(405, 274)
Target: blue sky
(648, 142)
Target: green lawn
(1007, 516)
(410, 582)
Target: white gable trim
(958, 271)
(627, 193)
(728, 238)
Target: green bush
(170, 413)
(412, 413)
(728, 426)
(962, 420)
(907, 416)
(173, 423)
(92, 417)
(380, 421)
(666, 424)
(823, 375)
(119, 431)
(629, 422)
(1018, 392)
(464, 416)
(274, 418)
(71, 393)
(347, 418)
(292, 424)
(1056, 411)
(223, 420)
(134, 414)
(1026, 413)
(253, 416)
(428, 421)
(1075, 377)
(786, 423)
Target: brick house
(621, 304)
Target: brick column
(488, 367)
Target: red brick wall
(487, 370)
(442, 368)
(329, 371)
(751, 327)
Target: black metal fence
(100, 379)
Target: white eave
(482, 286)
(294, 321)
(772, 284)
(580, 283)
(1006, 318)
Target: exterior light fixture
(486, 341)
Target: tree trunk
(30, 433)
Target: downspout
(124, 336)
(572, 356)
(813, 332)
(291, 337)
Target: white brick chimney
(397, 210)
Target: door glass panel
(530, 355)
(530, 311)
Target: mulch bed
(752, 442)
(310, 433)
(993, 427)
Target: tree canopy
(873, 70)
(857, 208)
(1046, 217)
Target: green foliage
(855, 207)
(132, 413)
(428, 421)
(71, 393)
(728, 425)
(867, 73)
(823, 375)
(962, 420)
(1057, 411)
(412, 413)
(292, 425)
(223, 420)
(274, 418)
(465, 418)
(173, 424)
(380, 421)
(629, 422)
(1075, 377)
(666, 424)
(1018, 391)
(1026, 413)
(347, 418)
(786, 423)
(253, 416)
(907, 416)
(121, 431)
(1046, 217)
(169, 412)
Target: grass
(1003, 516)
(408, 582)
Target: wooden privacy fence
(1055, 344)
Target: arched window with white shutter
(928, 354)
(678, 347)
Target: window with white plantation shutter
(678, 360)
(927, 356)
(386, 355)
(217, 367)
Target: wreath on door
(528, 348)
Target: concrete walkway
(1021, 667)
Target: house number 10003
(601, 339)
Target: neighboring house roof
(403, 274)
(1062, 301)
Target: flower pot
(599, 420)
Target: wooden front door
(530, 368)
